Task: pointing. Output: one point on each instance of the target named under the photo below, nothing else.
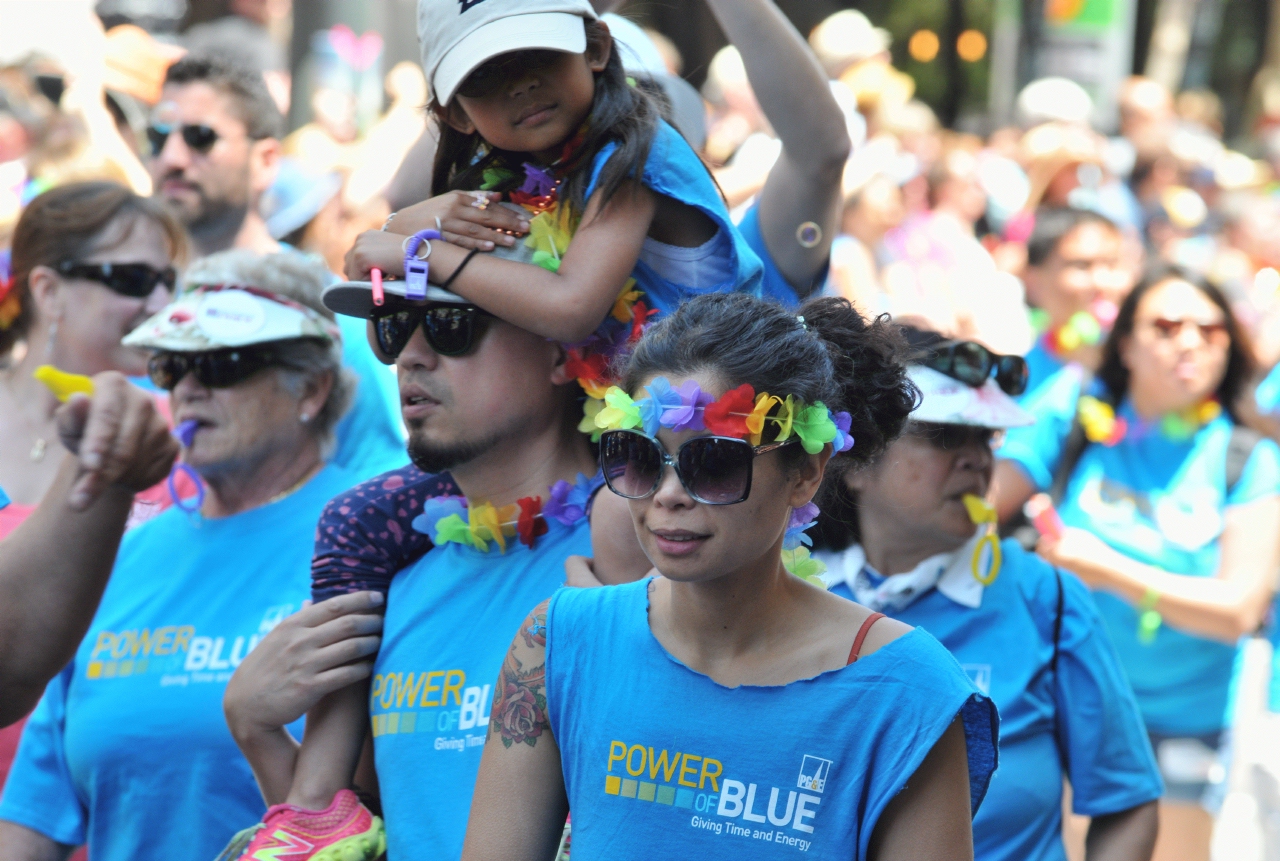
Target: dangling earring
(982, 512)
(53, 336)
(304, 418)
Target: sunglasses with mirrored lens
(714, 470)
(450, 330)
(947, 437)
(1210, 333)
(215, 369)
(198, 138)
(973, 364)
(490, 75)
(135, 280)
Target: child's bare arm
(567, 305)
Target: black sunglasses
(215, 369)
(199, 138)
(948, 437)
(972, 364)
(135, 280)
(490, 75)
(450, 330)
(715, 470)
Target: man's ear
(264, 164)
(455, 117)
(560, 371)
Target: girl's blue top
(674, 169)
(662, 761)
(1162, 502)
(1064, 711)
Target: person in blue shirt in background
(898, 537)
(1075, 279)
(129, 750)
(1170, 508)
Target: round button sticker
(231, 317)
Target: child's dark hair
(1113, 374)
(620, 113)
(835, 356)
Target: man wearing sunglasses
(215, 146)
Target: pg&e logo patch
(813, 773)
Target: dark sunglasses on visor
(972, 364)
(215, 369)
(198, 138)
(491, 74)
(136, 280)
(450, 330)
(715, 470)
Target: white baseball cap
(457, 36)
(948, 401)
(218, 317)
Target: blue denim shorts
(1194, 767)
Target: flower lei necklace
(528, 518)
(739, 413)
(1102, 425)
(1083, 329)
(550, 231)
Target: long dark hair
(620, 113)
(1114, 376)
(835, 356)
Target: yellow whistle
(980, 511)
(62, 384)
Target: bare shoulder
(846, 618)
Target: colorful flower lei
(10, 304)
(738, 412)
(450, 519)
(1102, 425)
(1083, 329)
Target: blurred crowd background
(968, 117)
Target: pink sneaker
(344, 831)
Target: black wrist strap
(463, 265)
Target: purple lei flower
(437, 508)
(537, 181)
(801, 519)
(568, 502)
(687, 416)
(843, 440)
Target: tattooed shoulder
(519, 713)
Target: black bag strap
(1057, 624)
(1239, 449)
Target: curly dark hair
(1113, 374)
(620, 114)
(834, 355)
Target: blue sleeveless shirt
(673, 169)
(661, 761)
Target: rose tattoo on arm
(519, 715)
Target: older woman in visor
(912, 536)
(129, 750)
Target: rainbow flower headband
(738, 412)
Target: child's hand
(468, 219)
(375, 248)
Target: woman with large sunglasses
(90, 261)
(729, 709)
(128, 749)
(1170, 507)
(904, 536)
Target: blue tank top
(661, 761)
(673, 169)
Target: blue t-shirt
(451, 618)
(1081, 718)
(370, 436)
(128, 749)
(1160, 502)
(660, 761)
(4, 498)
(1042, 365)
(674, 169)
(774, 284)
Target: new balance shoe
(344, 831)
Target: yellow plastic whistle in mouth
(980, 511)
(62, 384)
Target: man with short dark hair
(215, 139)
(1076, 278)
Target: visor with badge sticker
(221, 316)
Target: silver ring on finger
(480, 200)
